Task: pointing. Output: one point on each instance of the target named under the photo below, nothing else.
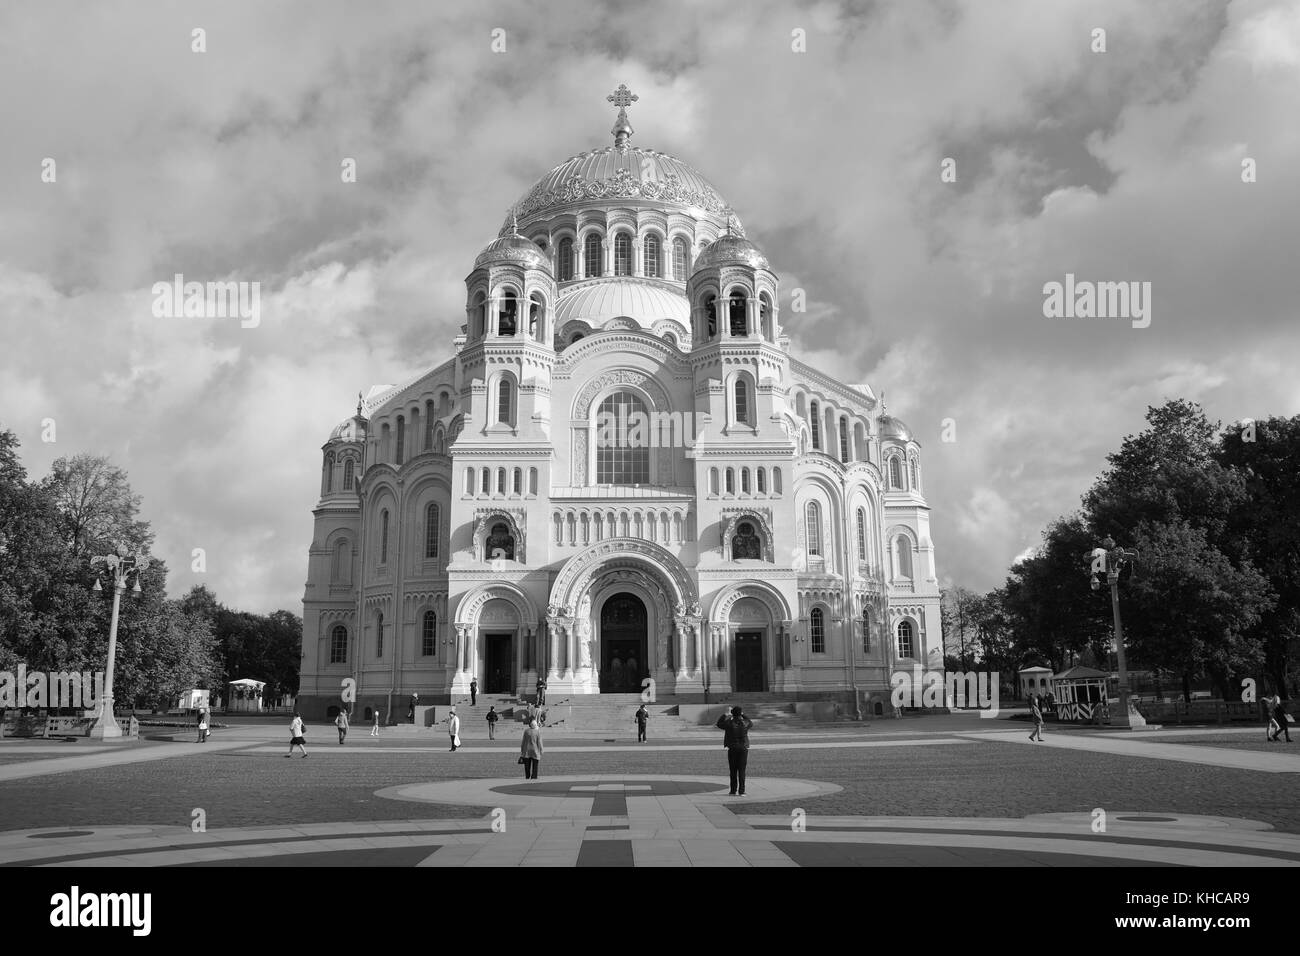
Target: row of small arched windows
(349, 473)
(729, 483)
(428, 638)
(623, 262)
(896, 473)
(432, 533)
(739, 322)
(479, 481)
(392, 438)
(507, 317)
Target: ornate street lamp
(1109, 560)
(120, 566)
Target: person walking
(736, 740)
(1278, 710)
(203, 727)
(410, 712)
(453, 728)
(374, 731)
(541, 691)
(1036, 713)
(642, 715)
(530, 750)
(341, 722)
(297, 736)
(492, 718)
(473, 692)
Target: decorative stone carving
(579, 457)
(485, 518)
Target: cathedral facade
(622, 476)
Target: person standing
(492, 718)
(473, 692)
(341, 722)
(453, 728)
(415, 702)
(736, 740)
(203, 726)
(1036, 714)
(374, 731)
(530, 750)
(642, 715)
(297, 736)
(541, 691)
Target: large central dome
(625, 172)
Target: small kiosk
(1082, 695)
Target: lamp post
(120, 566)
(1110, 559)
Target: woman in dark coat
(531, 750)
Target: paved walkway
(655, 820)
(1266, 762)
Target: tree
(1266, 528)
(956, 608)
(98, 507)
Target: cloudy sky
(1122, 165)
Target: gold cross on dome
(622, 97)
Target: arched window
(329, 473)
(776, 481)
(519, 481)
(670, 339)
(813, 529)
(762, 481)
(817, 631)
(501, 481)
(862, 534)
(651, 253)
(765, 316)
(746, 544)
(383, 537)
(349, 472)
(505, 404)
(341, 572)
(479, 312)
(532, 481)
(622, 440)
(535, 312)
(844, 440)
(566, 260)
(744, 481)
(905, 648)
(379, 634)
(591, 255)
(401, 439)
(679, 259)
(895, 473)
(339, 645)
(508, 315)
(500, 543)
(731, 481)
(469, 481)
(429, 634)
(736, 314)
(742, 403)
(916, 474)
(711, 317)
(814, 419)
(713, 481)
(622, 254)
(439, 442)
(485, 482)
(903, 557)
(432, 520)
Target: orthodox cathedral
(622, 475)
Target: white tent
(245, 695)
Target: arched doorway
(623, 650)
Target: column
(638, 264)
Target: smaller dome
(345, 430)
(513, 249)
(731, 249)
(891, 427)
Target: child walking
(297, 736)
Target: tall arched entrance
(624, 644)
